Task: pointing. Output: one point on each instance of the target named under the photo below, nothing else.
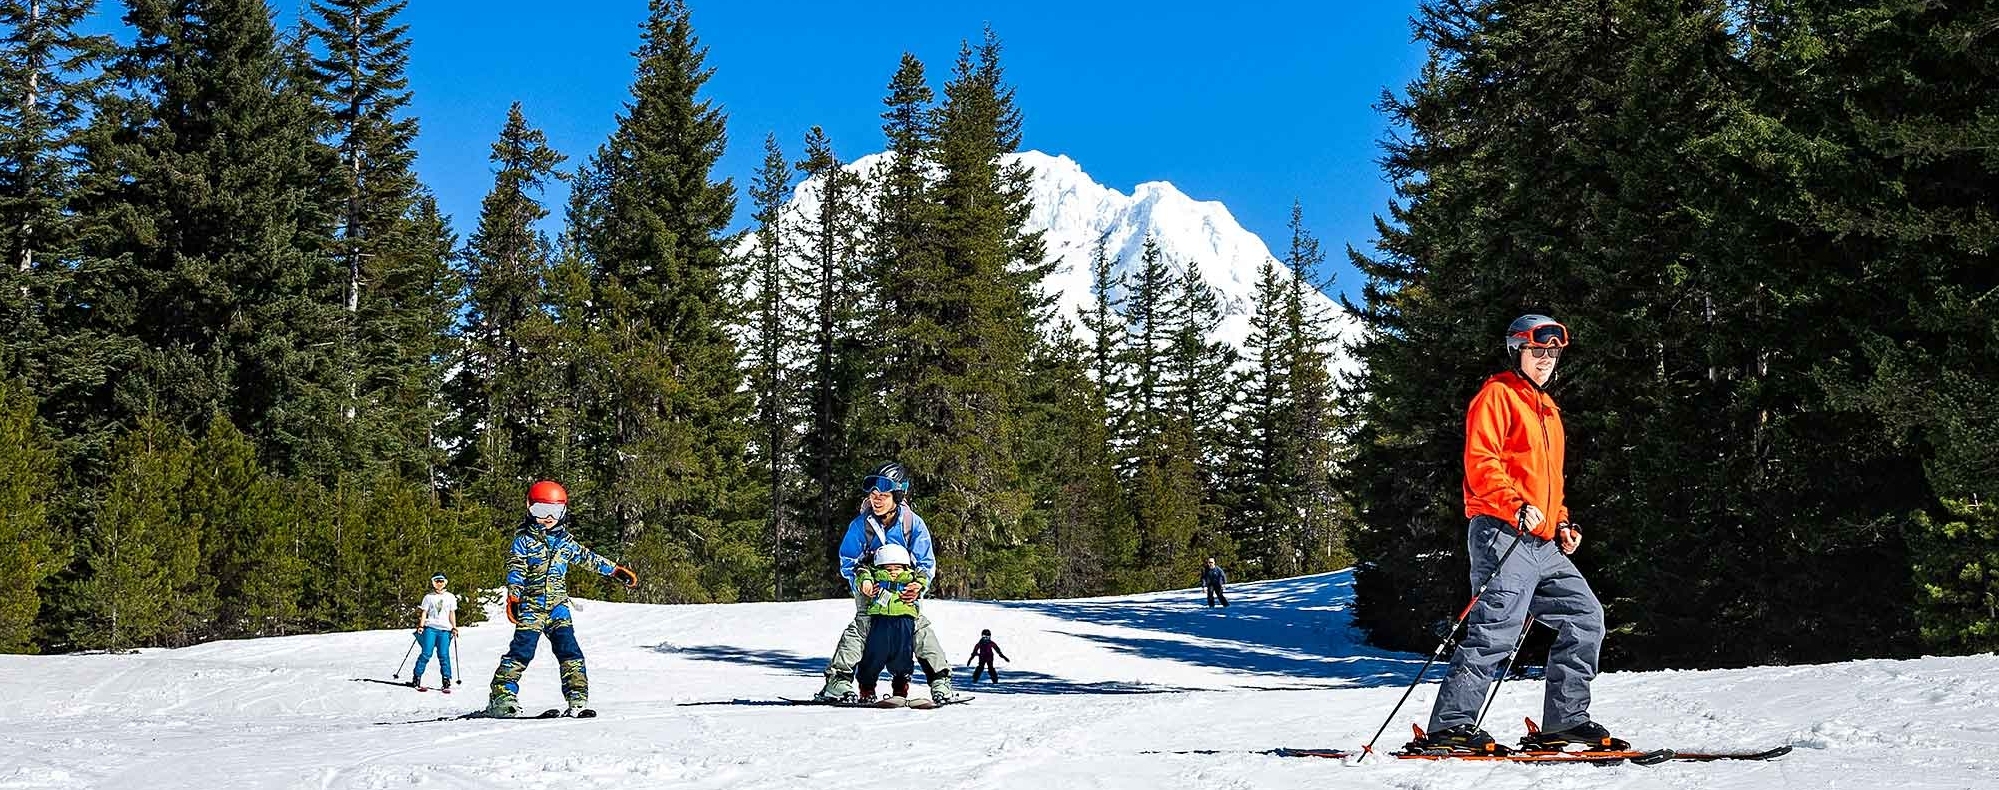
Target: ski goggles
(547, 510)
(877, 484)
(437, 578)
(1548, 335)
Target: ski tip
(1653, 757)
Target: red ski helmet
(547, 492)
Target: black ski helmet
(892, 477)
(985, 632)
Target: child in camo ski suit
(538, 600)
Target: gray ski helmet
(1538, 329)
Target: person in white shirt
(439, 625)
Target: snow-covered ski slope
(1094, 685)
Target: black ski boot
(1462, 739)
(1587, 736)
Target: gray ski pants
(1538, 580)
(854, 640)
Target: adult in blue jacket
(886, 518)
(1213, 578)
(538, 600)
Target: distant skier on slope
(1513, 476)
(1212, 578)
(983, 653)
(538, 600)
(885, 518)
(437, 625)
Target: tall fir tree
(1080, 528)
(671, 467)
(51, 79)
(962, 389)
(1201, 394)
(391, 239)
(1160, 459)
(840, 355)
(506, 386)
(1903, 236)
(1319, 438)
(1263, 476)
(902, 266)
(200, 286)
(775, 353)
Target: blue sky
(1254, 104)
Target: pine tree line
(1046, 463)
(258, 386)
(1766, 225)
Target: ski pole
(398, 674)
(457, 666)
(1520, 530)
(1504, 670)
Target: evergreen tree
(201, 289)
(394, 245)
(28, 454)
(1081, 530)
(406, 344)
(1634, 169)
(1263, 474)
(671, 465)
(1161, 465)
(145, 586)
(840, 355)
(963, 392)
(1324, 515)
(903, 268)
(50, 79)
(249, 548)
(1957, 586)
(501, 397)
(1899, 233)
(775, 352)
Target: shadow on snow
(1298, 631)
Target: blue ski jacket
(866, 533)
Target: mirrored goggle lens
(876, 484)
(546, 509)
(1550, 335)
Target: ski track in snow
(1094, 684)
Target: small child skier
(983, 653)
(891, 622)
(436, 626)
(538, 601)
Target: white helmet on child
(892, 554)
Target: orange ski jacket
(1514, 453)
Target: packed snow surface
(1094, 685)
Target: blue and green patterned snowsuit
(537, 570)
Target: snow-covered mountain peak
(1073, 210)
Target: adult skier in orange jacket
(1513, 487)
